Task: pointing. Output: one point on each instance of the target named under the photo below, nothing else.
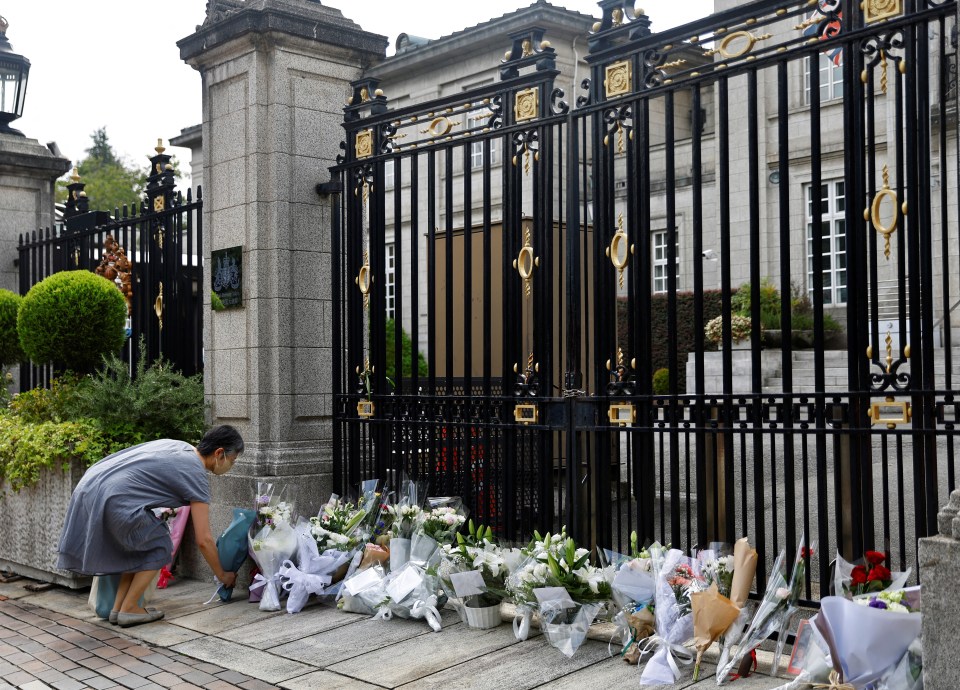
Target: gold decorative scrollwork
(878, 10)
(440, 126)
(364, 280)
(364, 143)
(158, 306)
(526, 262)
(158, 203)
(618, 78)
(875, 208)
(526, 104)
(729, 48)
(619, 251)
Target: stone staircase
(835, 371)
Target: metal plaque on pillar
(227, 275)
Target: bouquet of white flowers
(271, 541)
(557, 580)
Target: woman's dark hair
(223, 436)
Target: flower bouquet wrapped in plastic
(412, 592)
(176, 519)
(436, 526)
(633, 587)
(557, 581)
(364, 592)
(474, 572)
(773, 615)
(403, 515)
(678, 578)
(717, 609)
(233, 547)
(271, 542)
(861, 644)
(854, 580)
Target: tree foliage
(111, 182)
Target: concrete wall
(275, 78)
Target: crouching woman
(111, 527)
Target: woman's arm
(200, 514)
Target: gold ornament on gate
(878, 10)
(619, 251)
(885, 229)
(364, 280)
(526, 262)
(618, 78)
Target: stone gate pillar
(275, 77)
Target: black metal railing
(162, 239)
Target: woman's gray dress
(110, 526)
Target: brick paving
(41, 649)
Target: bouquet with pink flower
(436, 526)
(679, 577)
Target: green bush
(71, 319)
(216, 304)
(684, 340)
(406, 349)
(40, 405)
(801, 308)
(10, 350)
(661, 381)
(159, 402)
(27, 448)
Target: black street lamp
(14, 69)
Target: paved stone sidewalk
(45, 649)
(51, 639)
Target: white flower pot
(482, 617)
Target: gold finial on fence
(159, 148)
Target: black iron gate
(547, 259)
(162, 239)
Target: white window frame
(476, 147)
(389, 173)
(831, 79)
(833, 249)
(390, 279)
(660, 259)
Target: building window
(390, 280)
(833, 243)
(831, 77)
(660, 261)
(477, 123)
(388, 173)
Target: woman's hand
(228, 579)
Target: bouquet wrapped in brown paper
(744, 570)
(641, 624)
(712, 615)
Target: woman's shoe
(125, 620)
(113, 617)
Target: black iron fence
(162, 241)
(789, 152)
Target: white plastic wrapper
(564, 622)
(270, 547)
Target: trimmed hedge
(10, 350)
(661, 337)
(71, 319)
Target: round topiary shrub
(10, 351)
(661, 382)
(71, 319)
